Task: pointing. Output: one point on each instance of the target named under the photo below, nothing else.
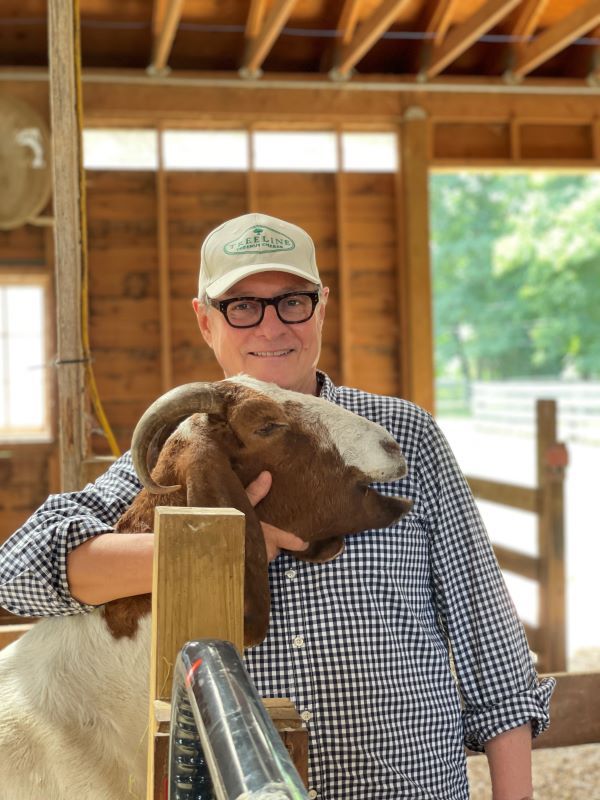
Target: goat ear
(211, 481)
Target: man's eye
(241, 306)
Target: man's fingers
(259, 487)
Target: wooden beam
(164, 282)
(69, 239)
(256, 14)
(348, 20)
(259, 47)
(167, 20)
(366, 36)
(556, 38)
(528, 18)
(344, 276)
(520, 563)
(575, 711)
(440, 19)
(414, 278)
(465, 34)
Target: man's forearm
(509, 759)
(110, 566)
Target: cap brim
(227, 281)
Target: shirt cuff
(532, 705)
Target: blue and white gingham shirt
(360, 644)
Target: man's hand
(275, 538)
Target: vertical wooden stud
(164, 283)
(414, 279)
(69, 232)
(344, 278)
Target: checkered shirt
(360, 644)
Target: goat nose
(391, 447)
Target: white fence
(502, 404)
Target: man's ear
(201, 312)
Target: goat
(73, 690)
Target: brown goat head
(212, 440)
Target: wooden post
(344, 277)
(164, 285)
(197, 592)
(414, 280)
(551, 463)
(69, 232)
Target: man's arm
(509, 760)
(113, 565)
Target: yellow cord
(85, 340)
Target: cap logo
(259, 239)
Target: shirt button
(306, 716)
(298, 641)
(291, 574)
(313, 793)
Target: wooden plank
(344, 278)
(10, 633)
(366, 36)
(197, 592)
(414, 278)
(507, 494)
(528, 17)
(164, 285)
(575, 711)
(551, 475)
(533, 637)
(69, 240)
(468, 32)
(556, 38)
(258, 48)
(256, 14)
(348, 20)
(519, 563)
(440, 19)
(166, 21)
(94, 466)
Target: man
(361, 644)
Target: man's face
(272, 351)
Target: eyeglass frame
(222, 306)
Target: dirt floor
(562, 773)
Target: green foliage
(516, 274)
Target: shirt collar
(325, 386)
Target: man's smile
(271, 353)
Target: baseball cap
(254, 243)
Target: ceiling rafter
(365, 37)
(256, 15)
(165, 20)
(464, 35)
(556, 38)
(440, 18)
(258, 47)
(348, 20)
(528, 18)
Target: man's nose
(271, 325)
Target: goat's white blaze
(361, 443)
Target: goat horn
(161, 419)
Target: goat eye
(268, 429)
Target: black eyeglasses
(246, 312)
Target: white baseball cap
(254, 243)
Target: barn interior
(114, 250)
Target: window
(205, 150)
(23, 390)
(120, 149)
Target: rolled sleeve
(33, 562)
(497, 681)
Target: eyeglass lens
(290, 308)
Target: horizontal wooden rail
(507, 494)
(519, 563)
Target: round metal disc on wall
(25, 173)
